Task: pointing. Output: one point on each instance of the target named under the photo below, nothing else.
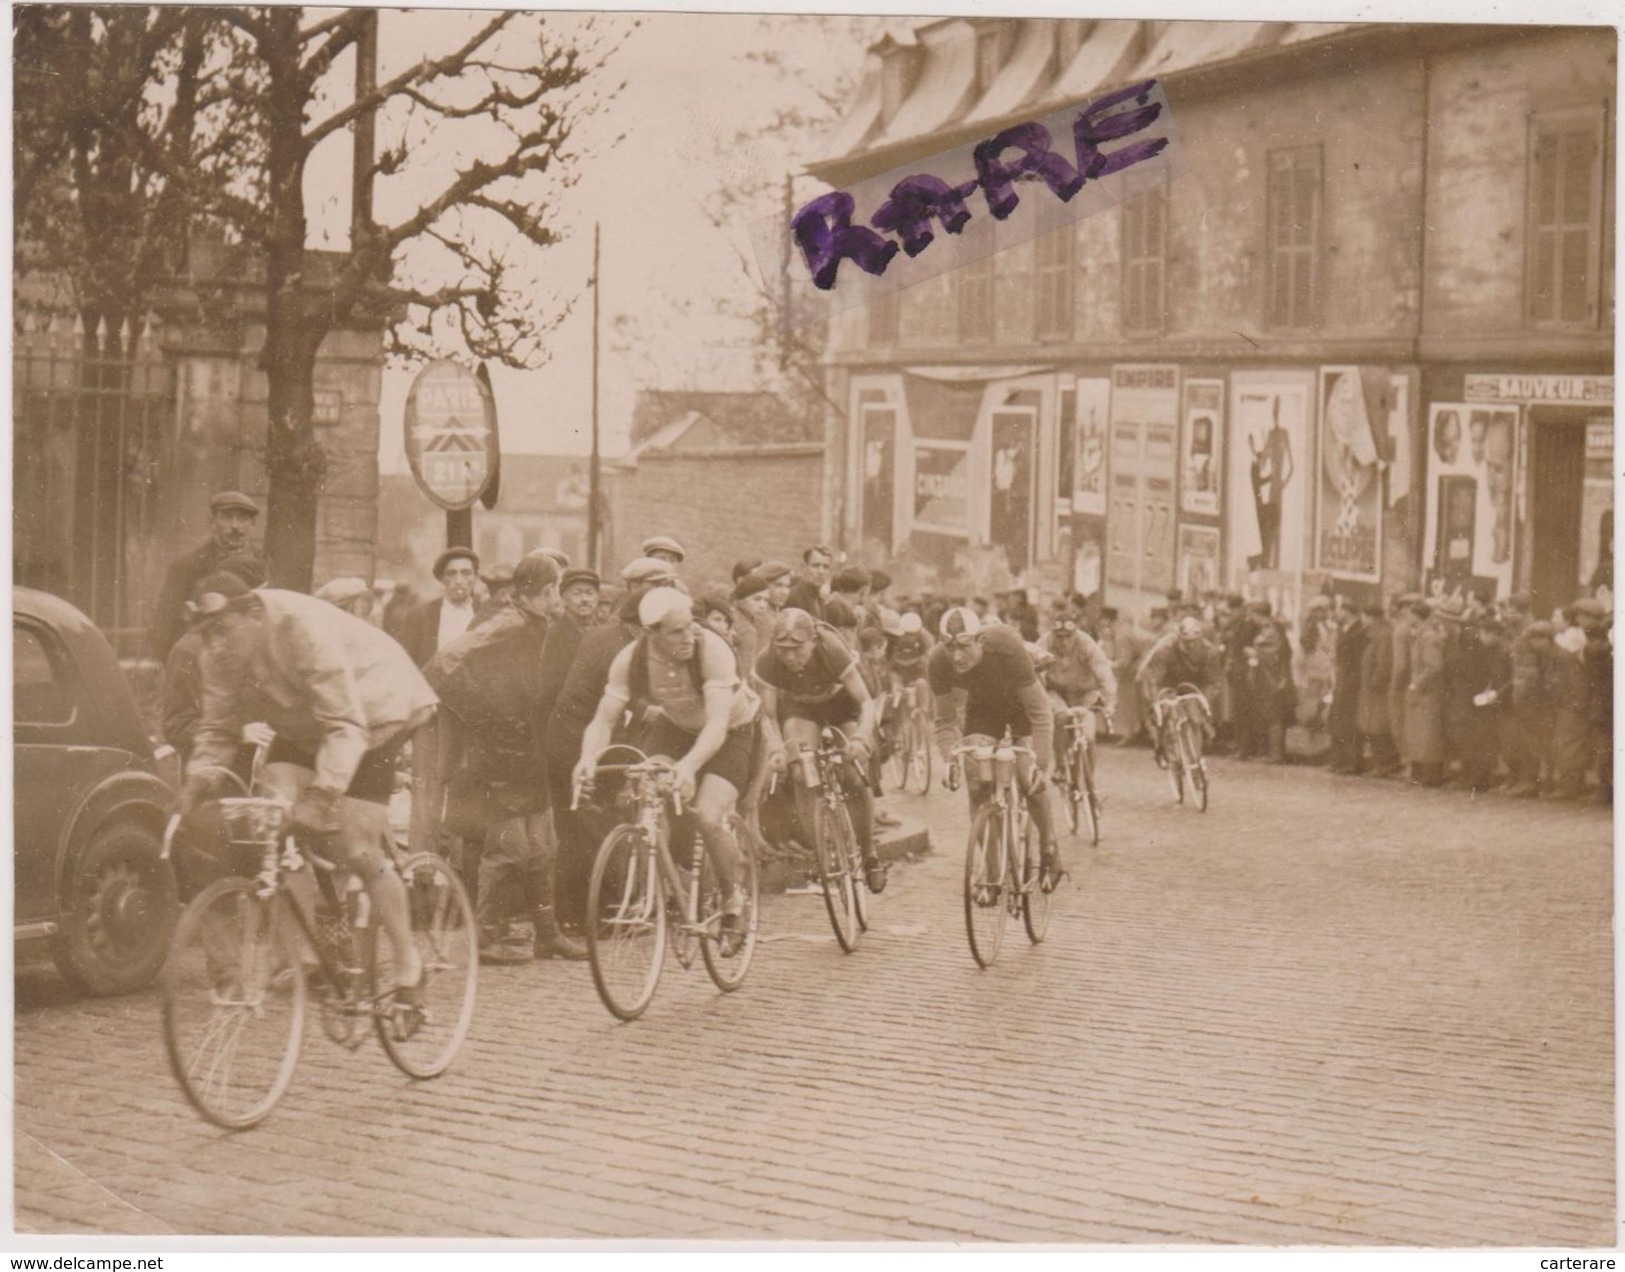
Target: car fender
(129, 793)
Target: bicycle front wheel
(727, 958)
(626, 923)
(234, 1003)
(1089, 799)
(919, 756)
(1196, 766)
(1069, 776)
(1176, 767)
(424, 1039)
(986, 868)
(837, 849)
(1034, 900)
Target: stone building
(1362, 339)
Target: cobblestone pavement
(1328, 1011)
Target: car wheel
(118, 910)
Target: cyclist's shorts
(732, 762)
(374, 780)
(840, 712)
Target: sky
(651, 156)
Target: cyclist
(343, 699)
(682, 685)
(1080, 675)
(1183, 656)
(810, 680)
(908, 651)
(990, 663)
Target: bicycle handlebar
(656, 765)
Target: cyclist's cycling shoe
(874, 875)
(730, 934)
(1050, 871)
(405, 1007)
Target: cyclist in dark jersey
(809, 680)
(991, 665)
(1183, 657)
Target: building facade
(1364, 339)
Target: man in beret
(439, 622)
(232, 516)
(777, 576)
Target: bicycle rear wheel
(1034, 900)
(986, 868)
(626, 923)
(1070, 786)
(919, 754)
(234, 1003)
(423, 1040)
(837, 848)
(727, 970)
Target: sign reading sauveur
(451, 434)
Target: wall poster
(1469, 532)
(1010, 508)
(1201, 448)
(1091, 400)
(1268, 454)
(942, 486)
(1144, 469)
(1199, 564)
(1348, 503)
(879, 468)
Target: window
(1293, 233)
(976, 301)
(885, 319)
(1565, 218)
(38, 695)
(1052, 285)
(992, 48)
(1145, 241)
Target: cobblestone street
(1328, 1011)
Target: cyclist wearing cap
(1080, 674)
(681, 680)
(810, 680)
(990, 663)
(908, 651)
(1184, 656)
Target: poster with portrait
(879, 467)
(1201, 447)
(1471, 461)
(1348, 502)
(1010, 506)
(1091, 401)
(1199, 565)
(1270, 467)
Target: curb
(900, 843)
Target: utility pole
(592, 468)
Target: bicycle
(639, 900)
(821, 808)
(237, 971)
(1004, 872)
(1075, 774)
(1184, 758)
(909, 762)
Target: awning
(854, 129)
(946, 82)
(1023, 75)
(1187, 44)
(1102, 61)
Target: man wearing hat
(662, 547)
(777, 576)
(437, 623)
(232, 515)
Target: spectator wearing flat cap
(662, 547)
(352, 595)
(753, 620)
(437, 623)
(1536, 691)
(578, 596)
(232, 516)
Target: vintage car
(91, 798)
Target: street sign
(451, 434)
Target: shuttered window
(1052, 285)
(1145, 241)
(976, 301)
(1293, 231)
(1565, 218)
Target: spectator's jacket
(1080, 668)
(806, 595)
(1376, 677)
(558, 652)
(583, 688)
(1535, 683)
(490, 678)
(1169, 665)
(324, 679)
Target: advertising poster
(1199, 564)
(1348, 504)
(1269, 452)
(1201, 453)
(1144, 469)
(1090, 404)
(942, 487)
(1010, 509)
(1470, 527)
(879, 465)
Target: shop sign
(1540, 388)
(451, 434)
(1600, 439)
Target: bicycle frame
(1010, 802)
(653, 789)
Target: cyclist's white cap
(794, 627)
(960, 621)
(1190, 628)
(659, 604)
(891, 622)
(911, 623)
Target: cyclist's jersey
(819, 681)
(908, 653)
(1170, 664)
(678, 689)
(992, 686)
(1081, 668)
